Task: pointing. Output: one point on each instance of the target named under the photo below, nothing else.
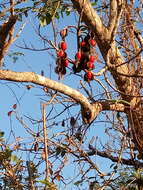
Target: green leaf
(93, 4)
(14, 158)
(77, 183)
(48, 18)
(45, 182)
(43, 21)
(1, 134)
(51, 186)
(57, 15)
(67, 12)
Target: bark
(89, 110)
(127, 86)
(105, 154)
(6, 35)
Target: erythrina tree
(107, 70)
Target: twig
(46, 137)
(31, 183)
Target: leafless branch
(104, 154)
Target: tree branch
(106, 105)
(89, 110)
(113, 58)
(6, 30)
(113, 14)
(129, 162)
(43, 81)
(114, 18)
(91, 18)
(110, 52)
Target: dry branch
(104, 154)
(89, 110)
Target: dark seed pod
(92, 34)
(83, 62)
(57, 70)
(72, 121)
(42, 73)
(63, 71)
(87, 38)
(64, 33)
(78, 136)
(36, 147)
(63, 123)
(86, 48)
(58, 61)
(76, 69)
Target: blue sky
(28, 101)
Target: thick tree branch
(139, 37)
(6, 30)
(89, 110)
(113, 15)
(113, 58)
(91, 18)
(99, 106)
(110, 52)
(116, 7)
(43, 81)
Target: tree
(109, 38)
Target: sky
(28, 101)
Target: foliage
(45, 11)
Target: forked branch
(91, 18)
(89, 110)
(116, 7)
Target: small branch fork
(91, 18)
(89, 110)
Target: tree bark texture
(127, 86)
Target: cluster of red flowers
(84, 58)
(62, 59)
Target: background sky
(28, 101)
